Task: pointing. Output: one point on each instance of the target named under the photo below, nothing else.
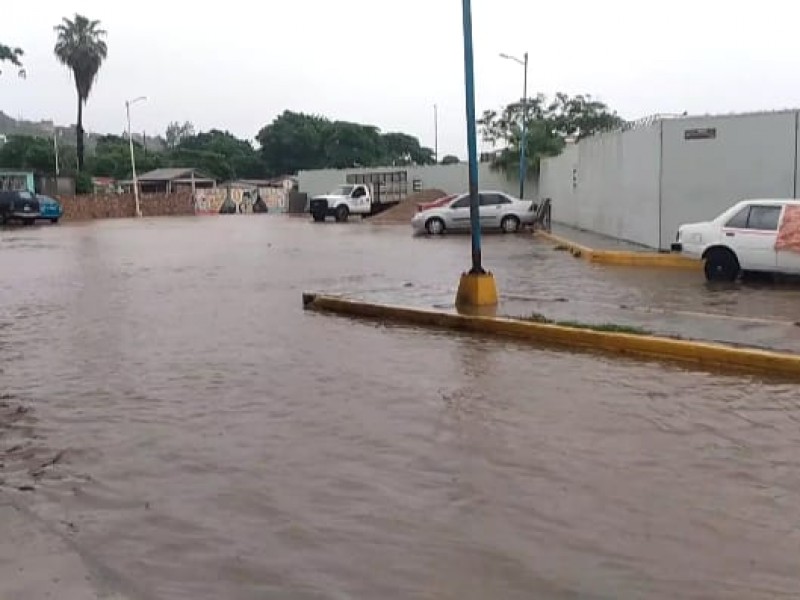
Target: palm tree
(80, 47)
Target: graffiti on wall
(240, 200)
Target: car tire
(721, 265)
(510, 224)
(29, 222)
(434, 226)
(54, 220)
(318, 218)
(342, 213)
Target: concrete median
(694, 353)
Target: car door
(457, 214)
(359, 199)
(751, 233)
(788, 243)
(490, 210)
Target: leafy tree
(403, 149)
(81, 48)
(112, 158)
(580, 116)
(176, 133)
(224, 155)
(549, 124)
(351, 145)
(295, 141)
(12, 55)
(26, 152)
(450, 160)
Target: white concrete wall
(614, 188)
(640, 185)
(752, 156)
(556, 183)
(453, 179)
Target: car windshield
(342, 190)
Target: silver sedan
(497, 211)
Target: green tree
(28, 152)
(403, 149)
(450, 160)
(549, 124)
(224, 155)
(14, 56)
(351, 145)
(112, 158)
(80, 47)
(293, 141)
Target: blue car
(49, 208)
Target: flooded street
(219, 442)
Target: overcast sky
(237, 64)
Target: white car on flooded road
(753, 235)
(497, 211)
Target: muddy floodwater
(209, 439)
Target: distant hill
(66, 135)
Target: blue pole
(472, 144)
(524, 142)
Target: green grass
(606, 327)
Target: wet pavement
(193, 433)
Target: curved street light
(128, 104)
(523, 142)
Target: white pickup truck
(752, 235)
(345, 200)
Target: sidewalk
(596, 240)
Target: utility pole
(436, 132)
(133, 160)
(524, 138)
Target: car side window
(739, 220)
(491, 199)
(764, 218)
(461, 203)
(359, 192)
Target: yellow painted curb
(703, 354)
(623, 258)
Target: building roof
(172, 174)
(274, 182)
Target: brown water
(222, 443)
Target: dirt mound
(407, 208)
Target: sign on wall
(707, 133)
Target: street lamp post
(523, 142)
(55, 150)
(133, 160)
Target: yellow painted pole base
(476, 291)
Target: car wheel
(434, 226)
(721, 265)
(509, 224)
(342, 212)
(318, 218)
(54, 220)
(29, 222)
